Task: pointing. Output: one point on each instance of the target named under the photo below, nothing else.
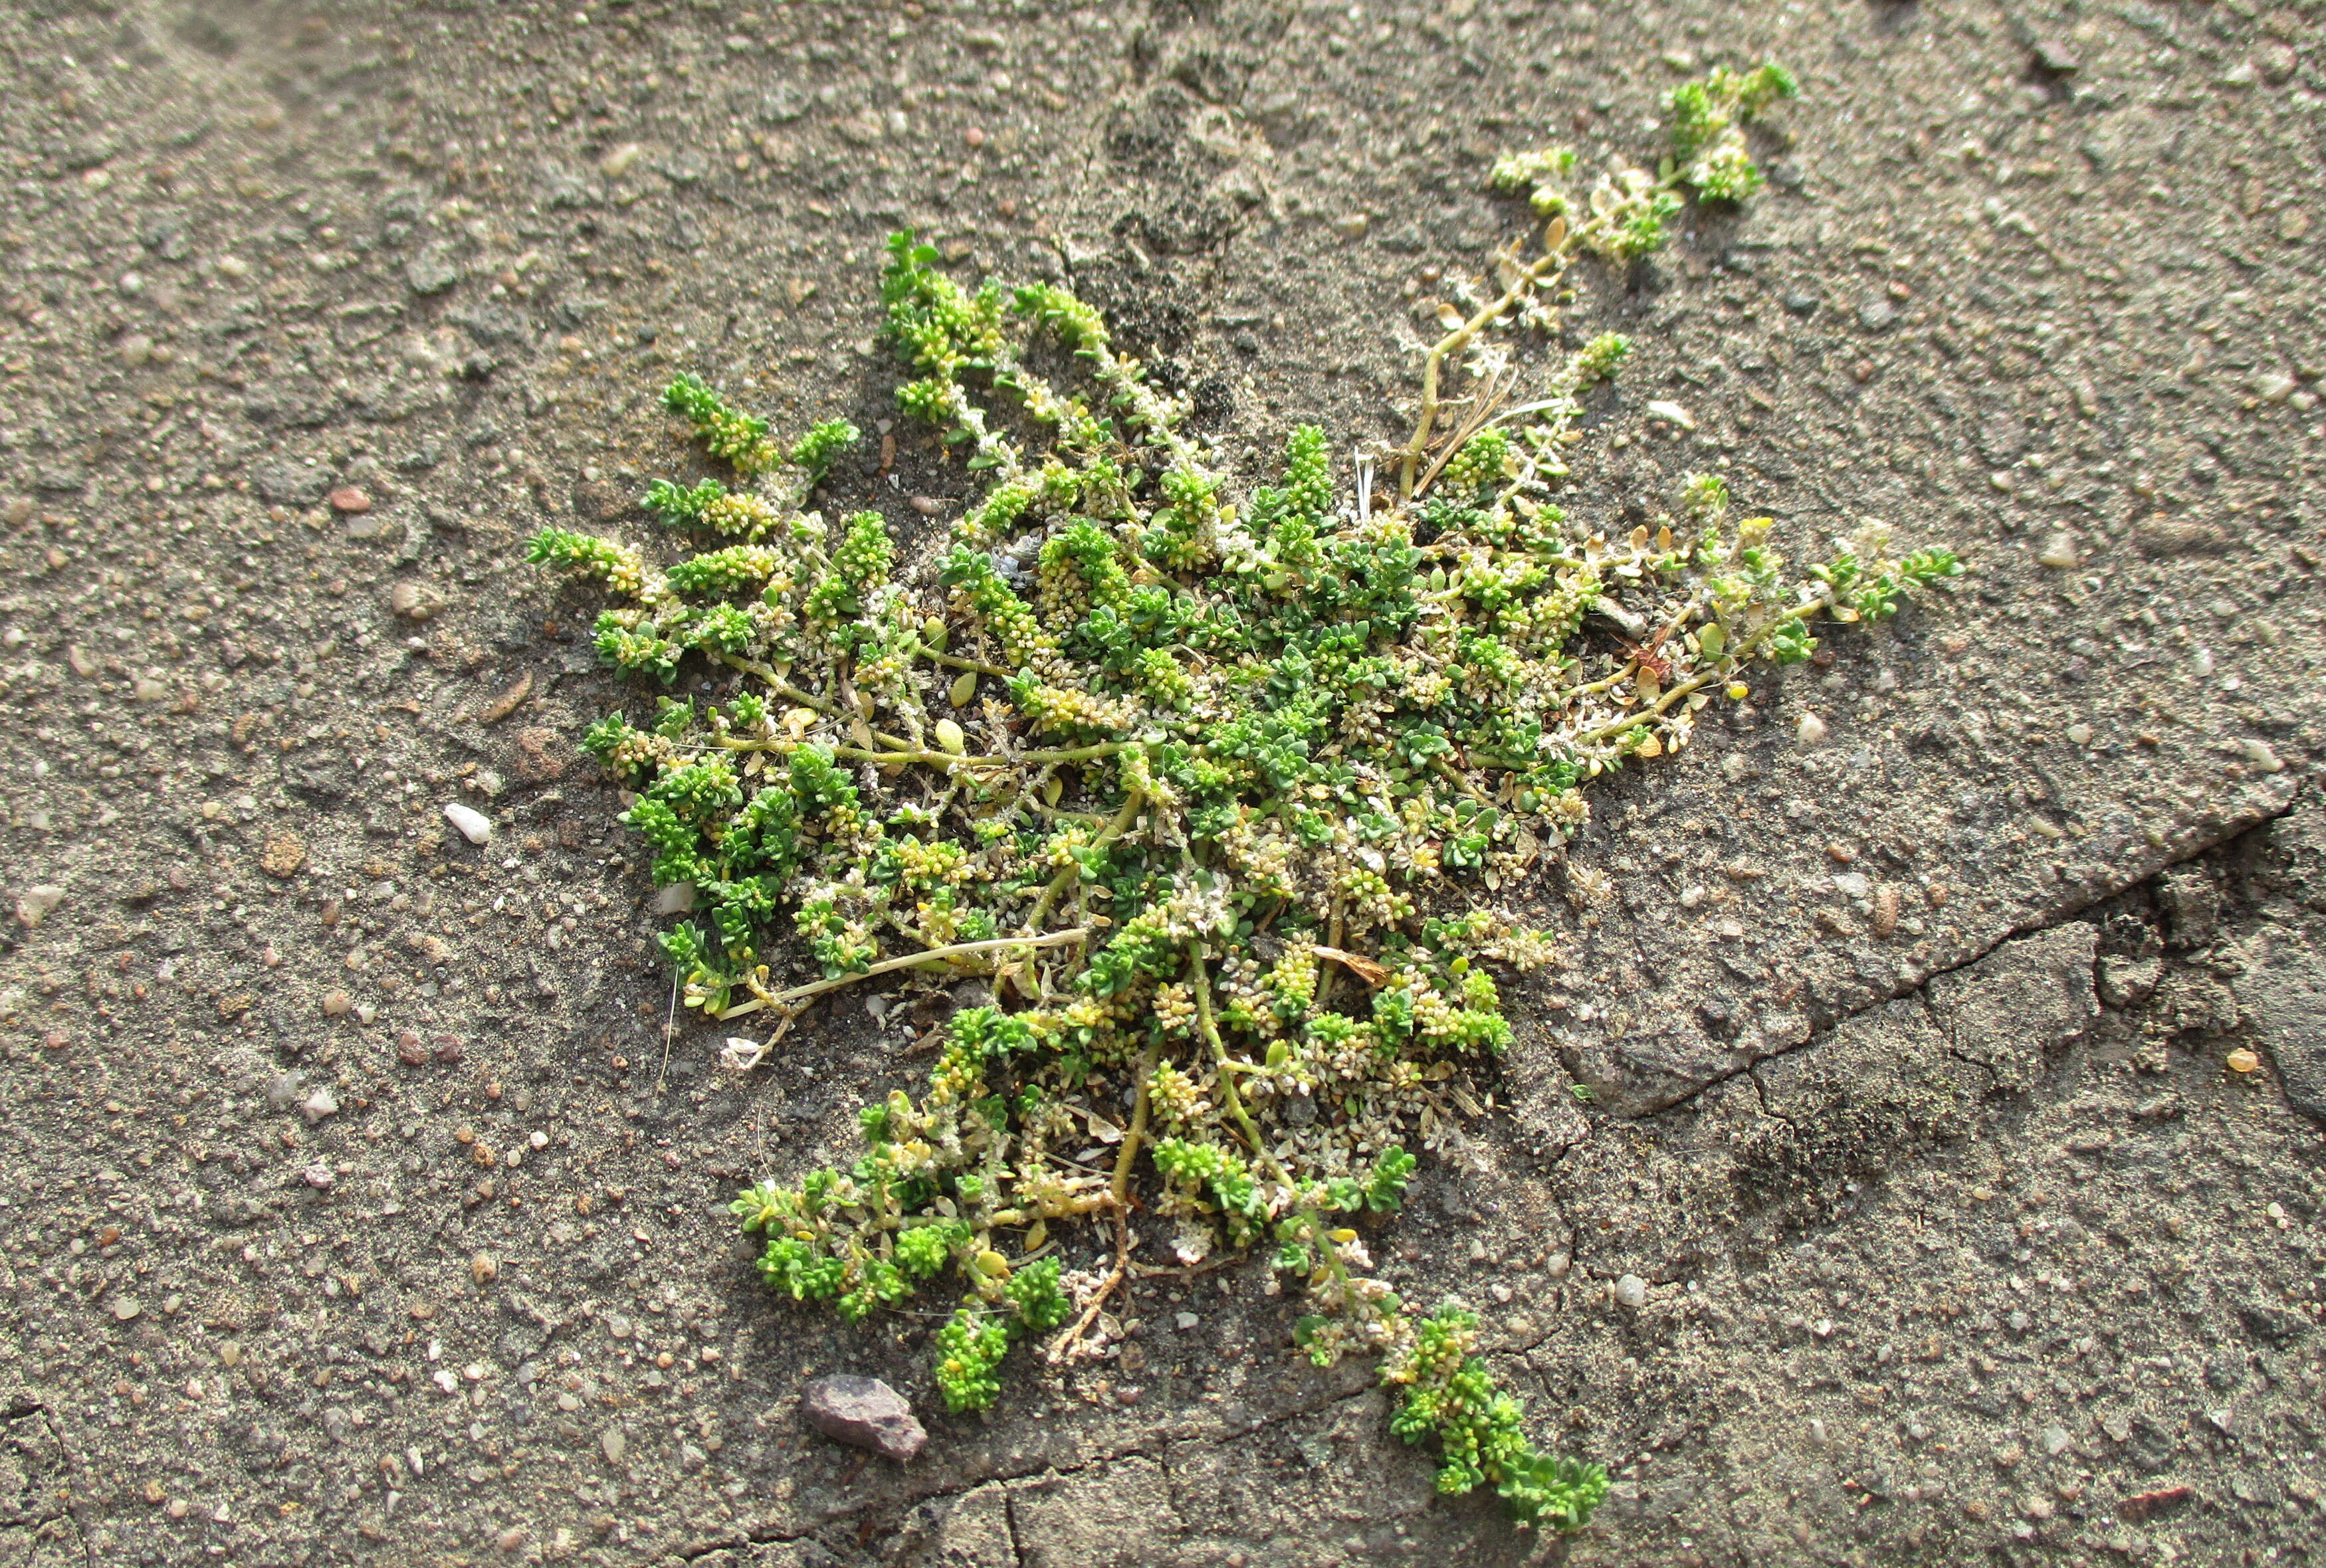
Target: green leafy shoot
(1219, 790)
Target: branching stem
(797, 994)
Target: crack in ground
(1010, 1526)
(1155, 1452)
(2231, 830)
(64, 1451)
(2052, 922)
(1761, 1089)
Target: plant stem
(1742, 656)
(1199, 976)
(775, 683)
(784, 999)
(1114, 829)
(907, 753)
(955, 661)
(1137, 1131)
(1455, 342)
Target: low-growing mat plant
(1212, 787)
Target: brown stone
(864, 1413)
(283, 856)
(348, 498)
(502, 706)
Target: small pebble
(348, 498)
(1631, 1293)
(38, 904)
(414, 601)
(864, 1413)
(320, 1104)
(336, 1004)
(1885, 911)
(484, 1268)
(617, 163)
(614, 1445)
(2058, 553)
(2053, 55)
(125, 1308)
(318, 1177)
(1811, 731)
(1352, 225)
(474, 825)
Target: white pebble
(2258, 753)
(1631, 1293)
(474, 825)
(2058, 553)
(1811, 731)
(676, 899)
(39, 903)
(320, 1104)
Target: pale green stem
(905, 961)
(1200, 978)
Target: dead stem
(1118, 1199)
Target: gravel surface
(1916, 1205)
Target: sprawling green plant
(1213, 787)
